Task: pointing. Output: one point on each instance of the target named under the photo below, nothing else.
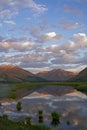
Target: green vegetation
(55, 118)
(80, 86)
(6, 124)
(12, 90)
(35, 84)
(19, 106)
(68, 122)
(40, 114)
(5, 117)
(28, 120)
(5, 89)
(12, 95)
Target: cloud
(52, 49)
(11, 8)
(39, 43)
(81, 40)
(78, 42)
(37, 33)
(69, 52)
(68, 25)
(7, 13)
(51, 34)
(73, 10)
(31, 4)
(30, 54)
(39, 8)
(48, 37)
(35, 65)
(9, 22)
(26, 60)
(13, 45)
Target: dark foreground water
(71, 106)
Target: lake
(71, 104)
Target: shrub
(68, 122)
(55, 118)
(5, 117)
(40, 114)
(13, 95)
(28, 120)
(18, 106)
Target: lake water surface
(71, 105)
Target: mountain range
(81, 76)
(17, 74)
(56, 75)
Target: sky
(40, 35)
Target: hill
(82, 76)
(56, 75)
(16, 74)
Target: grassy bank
(81, 86)
(19, 90)
(6, 124)
(30, 87)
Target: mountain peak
(8, 66)
(56, 75)
(81, 76)
(10, 73)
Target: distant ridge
(82, 76)
(56, 75)
(16, 74)
(10, 73)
